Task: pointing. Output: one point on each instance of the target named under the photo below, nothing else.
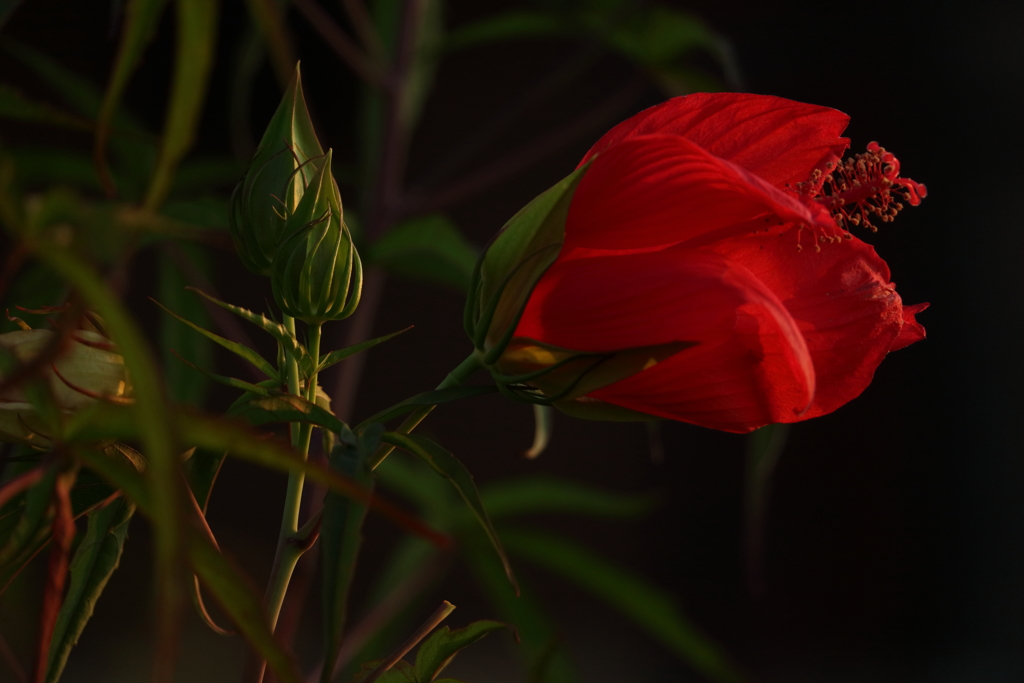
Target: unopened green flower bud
(86, 370)
(286, 160)
(316, 274)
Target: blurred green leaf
(206, 211)
(238, 596)
(153, 418)
(651, 608)
(201, 470)
(509, 26)
(764, 448)
(335, 357)
(426, 50)
(197, 35)
(33, 524)
(440, 648)
(536, 630)
(430, 249)
(183, 387)
(142, 18)
(341, 539)
(660, 36)
(94, 562)
(40, 165)
(232, 589)
(544, 494)
(206, 173)
(239, 350)
(427, 398)
(451, 468)
(14, 105)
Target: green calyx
(316, 274)
(512, 265)
(529, 370)
(283, 166)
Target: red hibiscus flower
(698, 266)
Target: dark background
(896, 525)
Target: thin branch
(349, 52)
(594, 120)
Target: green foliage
(94, 562)
(341, 536)
(449, 467)
(335, 357)
(433, 655)
(239, 350)
(174, 339)
(430, 249)
(547, 495)
(510, 268)
(649, 607)
(427, 398)
(14, 105)
(197, 33)
(438, 650)
(656, 38)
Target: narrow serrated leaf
(94, 562)
(232, 382)
(335, 357)
(274, 329)
(239, 350)
(450, 467)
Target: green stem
(456, 377)
(289, 547)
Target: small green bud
(316, 274)
(285, 162)
(87, 369)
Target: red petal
(912, 330)
(658, 190)
(751, 363)
(842, 300)
(780, 140)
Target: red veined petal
(658, 190)
(780, 140)
(750, 363)
(912, 331)
(843, 303)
